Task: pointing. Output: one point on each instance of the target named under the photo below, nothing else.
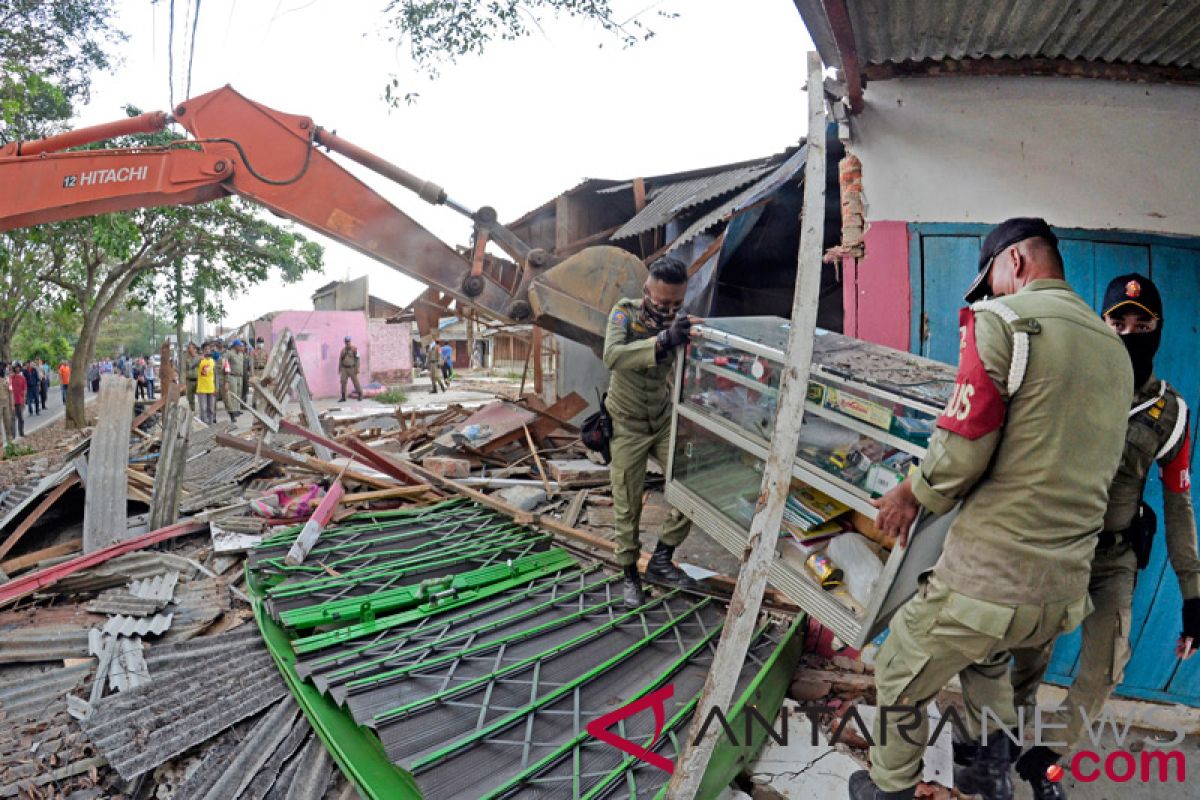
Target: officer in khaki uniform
(191, 365)
(236, 357)
(1157, 432)
(348, 369)
(433, 355)
(640, 343)
(1028, 444)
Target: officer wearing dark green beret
(640, 344)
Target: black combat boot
(631, 588)
(661, 569)
(1032, 766)
(863, 788)
(987, 774)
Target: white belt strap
(1179, 431)
(1162, 390)
(1020, 354)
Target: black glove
(675, 335)
(1191, 619)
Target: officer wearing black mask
(1158, 432)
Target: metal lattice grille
(478, 653)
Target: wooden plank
(537, 459)
(742, 618)
(38, 556)
(177, 432)
(311, 416)
(32, 518)
(538, 388)
(108, 456)
(28, 584)
(300, 460)
(400, 492)
(571, 515)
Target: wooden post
(777, 475)
(107, 489)
(471, 341)
(177, 432)
(536, 358)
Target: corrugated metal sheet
(751, 195)
(160, 587)
(227, 771)
(199, 689)
(120, 571)
(45, 634)
(1152, 33)
(19, 498)
(676, 197)
(137, 626)
(128, 669)
(39, 742)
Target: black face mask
(655, 317)
(1141, 348)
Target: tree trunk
(76, 411)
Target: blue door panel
(949, 265)
(1079, 264)
(945, 259)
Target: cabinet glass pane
(727, 477)
(732, 384)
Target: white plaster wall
(1081, 153)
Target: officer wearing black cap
(1158, 432)
(1026, 447)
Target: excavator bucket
(574, 297)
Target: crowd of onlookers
(25, 386)
(25, 392)
(143, 370)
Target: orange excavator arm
(244, 148)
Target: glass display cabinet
(868, 416)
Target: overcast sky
(511, 128)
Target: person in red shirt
(17, 385)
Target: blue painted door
(943, 261)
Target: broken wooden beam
(38, 556)
(400, 492)
(32, 518)
(316, 523)
(299, 460)
(28, 584)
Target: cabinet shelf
(720, 439)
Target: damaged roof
(879, 39)
(671, 199)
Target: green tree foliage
(97, 262)
(49, 333)
(49, 52)
(437, 32)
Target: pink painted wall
(319, 337)
(876, 295)
(391, 352)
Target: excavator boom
(244, 148)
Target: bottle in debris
(828, 574)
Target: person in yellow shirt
(206, 388)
